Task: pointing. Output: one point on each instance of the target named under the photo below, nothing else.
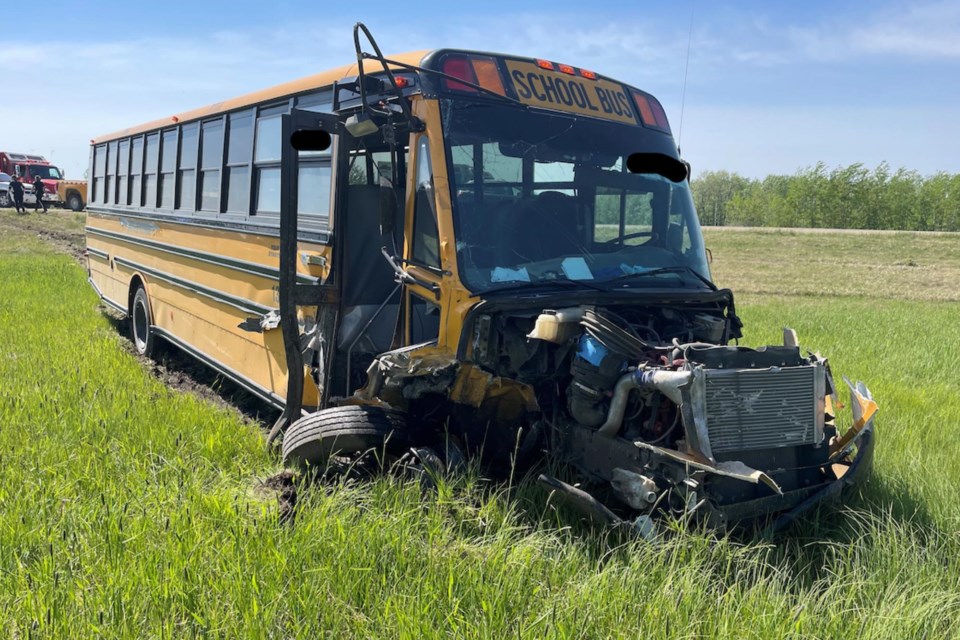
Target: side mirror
(658, 163)
(16, 170)
(310, 140)
(312, 130)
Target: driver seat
(557, 222)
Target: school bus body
(545, 287)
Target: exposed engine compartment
(662, 379)
(647, 401)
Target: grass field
(129, 510)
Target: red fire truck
(26, 166)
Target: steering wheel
(630, 236)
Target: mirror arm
(415, 124)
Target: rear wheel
(5, 200)
(350, 434)
(141, 321)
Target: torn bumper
(603, 458)
(856, 469)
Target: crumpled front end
(698, 429)
(657, 413)
(731, 435)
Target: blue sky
(772, 86)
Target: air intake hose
(666, 382)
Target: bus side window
(313, 193)
(314, 176)
(426, 236)
(239, 154)
(99, 169)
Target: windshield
(540, 197)
(45, 172)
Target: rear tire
(5, 200)
(141, 325)
(75, 202)
(351, 432)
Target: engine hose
(666, 382)
(613, 337)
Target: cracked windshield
(541, 198)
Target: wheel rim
(140, 325)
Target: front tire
(5, 200)
(75, 202)
(141, 325)
(352, 432)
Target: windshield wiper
(540, 285)
(660, 270)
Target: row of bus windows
(228, 165)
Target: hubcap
(140, 326)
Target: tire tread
(312, 439)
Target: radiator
(749, 409)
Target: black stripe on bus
(96, 253)
(240, 303)
(210, 258)
(321, 237)
(261, 392)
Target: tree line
(851, 197)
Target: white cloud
(927, 31)
(914, 31)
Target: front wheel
(75, 202)
(351, 432)
(5, 200)
(141, 321)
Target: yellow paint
(475, 387)
(563, 92)
(207, 325)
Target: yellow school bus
(465, 253)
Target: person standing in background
(38, 191)
(16, 190)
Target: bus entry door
(301, 131)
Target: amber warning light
(651, 112)
(477, 70)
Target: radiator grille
(764, 408)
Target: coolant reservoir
(557, 325)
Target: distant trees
(851, 197)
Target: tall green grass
(129, 510)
